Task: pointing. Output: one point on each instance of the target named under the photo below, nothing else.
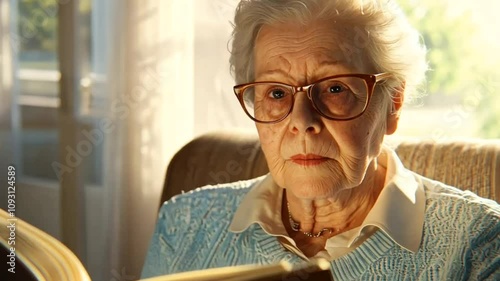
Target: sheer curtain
(216, 106)
(173, 83)
(151, 104)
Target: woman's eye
(277, 94)
(335, 89)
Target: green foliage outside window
(37, 31)
(462, 54)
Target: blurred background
(97, 96)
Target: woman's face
(311, 156)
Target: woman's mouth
(308, 159)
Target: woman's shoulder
(463, 229)
(227, 195)
(445, 195)
(217, 191)
(461, 207)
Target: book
(317, 270)
(35, 255)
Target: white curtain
(151, 86)
(171, 66)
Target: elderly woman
(325, 80)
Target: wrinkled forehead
(285, 43)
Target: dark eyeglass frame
(370, 79)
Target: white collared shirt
(398, 211)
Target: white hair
(380, 35)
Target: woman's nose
(304, 118)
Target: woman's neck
(345, 211)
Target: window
(461, 95)
(38, 77)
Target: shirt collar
(259, 206)
(398, 211)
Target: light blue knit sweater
(461, 239)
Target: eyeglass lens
(340, 98)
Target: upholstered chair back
(222, 157)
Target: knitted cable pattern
(461, 239)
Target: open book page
(317, 270)
(36, 253)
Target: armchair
(222, 157)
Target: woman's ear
(397, 99)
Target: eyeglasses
(339, 97)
